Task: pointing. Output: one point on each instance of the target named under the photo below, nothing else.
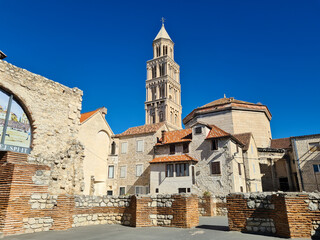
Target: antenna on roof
(224, 95)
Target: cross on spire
(163, 20)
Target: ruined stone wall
(54, 113)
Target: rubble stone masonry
(54, 112)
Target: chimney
(2, 55)
(163, 133)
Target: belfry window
(15, 129)
(154, 71)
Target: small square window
(157, 190)
(188, 190)
(110, 193)
(182, 190)
(316, 168)
(198, 130)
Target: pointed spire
(162, 33)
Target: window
(139, 190)
(169, 170)
(237, 148)
(314, 146)
(215, 168)
(124, 147)
(157, 190)
(123, 171)
(154, 71)
(139, 145)
(316, 167)
(214, 144)
(109, 192)
(182, 190)
(186, 147)
(113, 148)
(111, 171)
(161, 119)
(239, 168)
(139, 168)
(172, 149)
(198, 130)
(241, 189)
(182, 169)
(188, 190)
(122, 191)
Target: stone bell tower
(163, 89)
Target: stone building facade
(203, 158)
(95, 134)
(54, 112)
(128, 165)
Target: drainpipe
(298, 162)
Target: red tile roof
(244, 138)
(178, 136)
(173, 158)
(224, 101)
(144, 129)
(85, 116)
(283, 143)
(216, 132)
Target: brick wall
(27, 206)
(291, 215)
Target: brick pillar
(142, 211)
(237, 212)
(185, 211)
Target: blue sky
(256, 51)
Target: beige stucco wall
(251, 158)
(255, 122)
(165, 184)
(95, 134)
(54, 112)
(307, 159)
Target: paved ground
(209, 228)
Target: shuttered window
(139, 145)
(215, 168)
(124, 147)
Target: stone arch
(22, 127)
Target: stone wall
(27, 207)
(54, 113)
(290, 215)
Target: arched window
(113, 148)
(15, 128)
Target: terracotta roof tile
(85, 116)
(283, 143)
(224, 101)
(244, 138)
(148, 128)
(216, 132)
(178, 136)
(173, 158)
